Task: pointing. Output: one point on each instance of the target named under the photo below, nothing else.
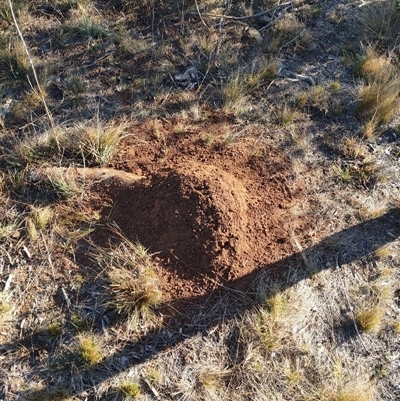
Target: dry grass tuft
(39, 219)
(36, 149)
(74, 87)
(372, 66)
(382, 19)
(318, 96)
(379, 100)
(286, 31)
(5, 306)
(86, 24)
(384, 252)
(373, 300)
(54, 329)
(34, 98)
(370, 319)
(361, 393)
(14, 63)
(271, 323)
(343, 173)
(353, 148)
(133, 294)
(97, 142)
(132, 284)
(368, 213)
(9, 228)
(378, 96)
(130, 45)
(64, 185)
(203, 380)
(42, 217)
(263, 70)
(233, 93)
(286, 114)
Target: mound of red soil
(193, 215)
(208, 219)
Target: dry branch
(40, 92)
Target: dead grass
(66, 187)
(317, 96)
(375, 299)
(382, 19)
(290, 339)
(287, 115)
(350, 394)
(286, 31)
(14, 63)
(131, 281)
(5, 307)
(263, 70)
(370, 319)
(75, 87)
(233, 93)
(96, 142)
(378, 96)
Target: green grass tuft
(130, 389)
(89, 350)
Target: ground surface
(239, 151)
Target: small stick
(276, 19)
(301, 77)
(198, 12)
(8, 283)
(48, 256)
(40, 92)
(67, 300)
(10, 259)
(293, 40)
(26, 250)
(151, 387)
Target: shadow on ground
(344, 247)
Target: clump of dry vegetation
(378, 96)
(383, 22)
(131, 282)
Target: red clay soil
(210, 214)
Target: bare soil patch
(210, 214)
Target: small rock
(189, 79)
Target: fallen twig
(151, 387)
(8, 283)
(301, 77)
(40, 92)
(292, 40)
(276, 19)
(66, 298)
(198, 12)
